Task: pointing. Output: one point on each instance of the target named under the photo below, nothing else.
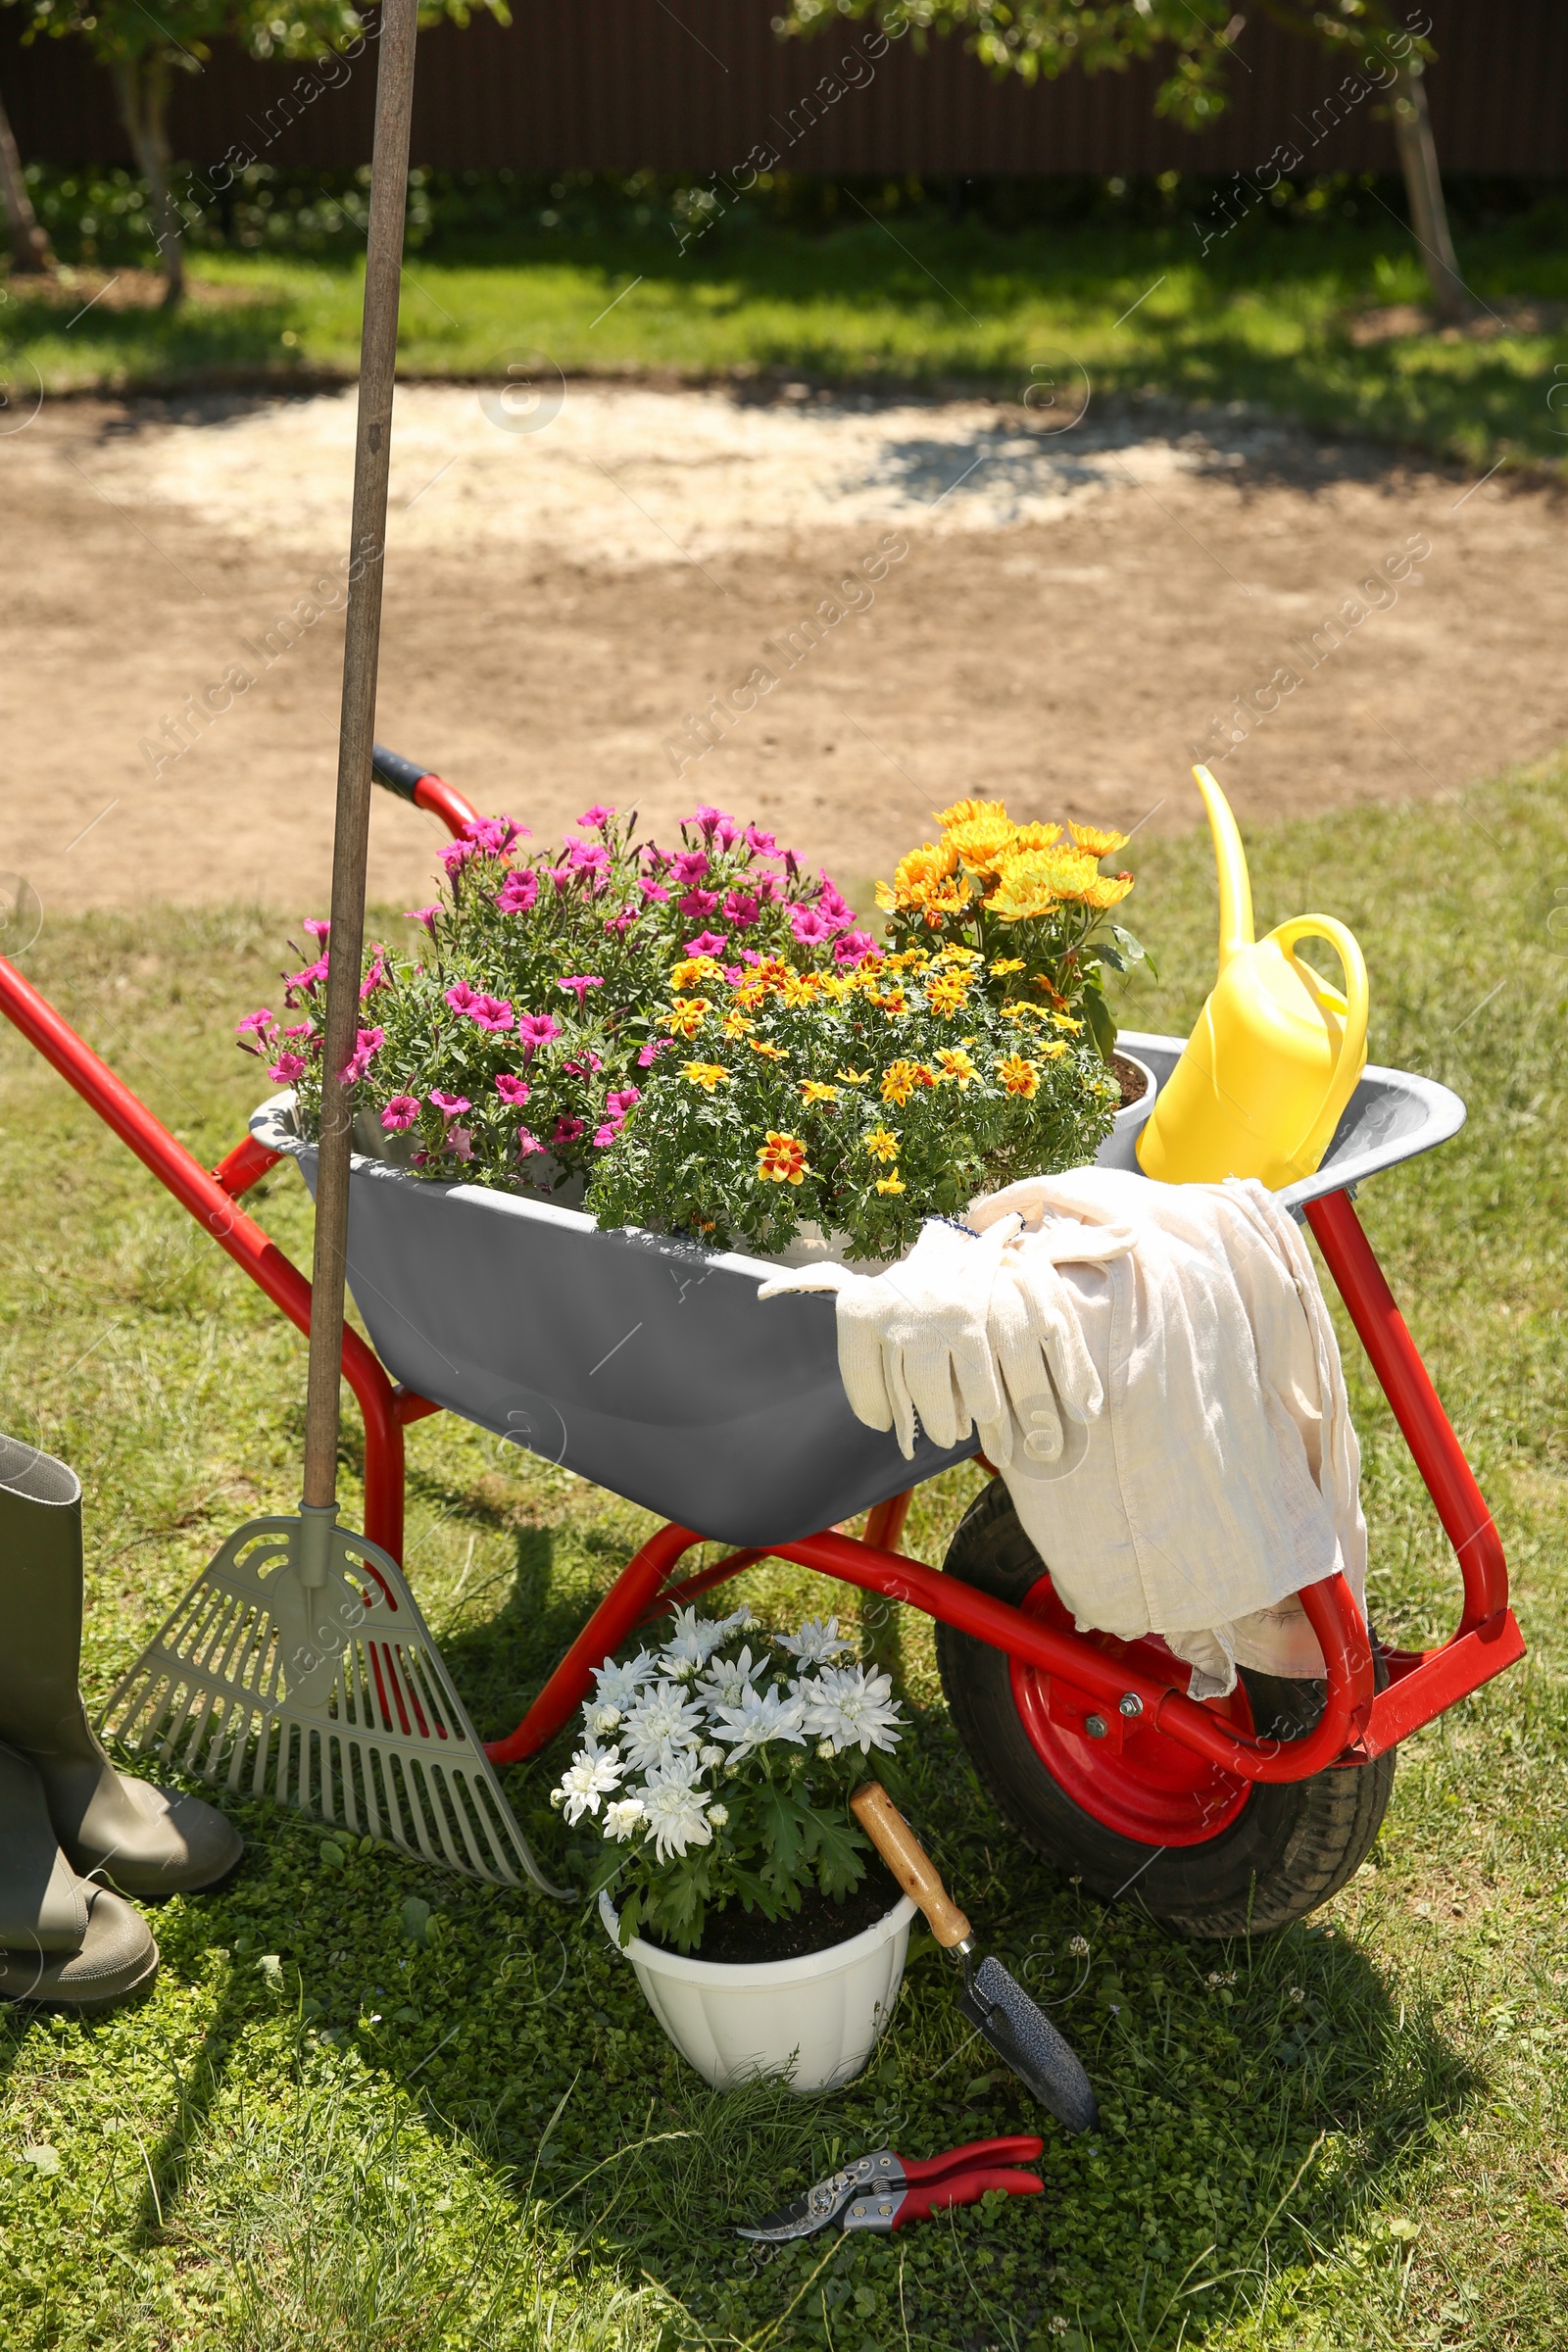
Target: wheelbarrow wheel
(1135, 1815)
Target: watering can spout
(1236, 930)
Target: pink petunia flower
(620, 1100)
(487, 1012)
(769, 889)
(423, 914)
(399, 1113)
(451, 1107)
(458, 1142)
(689, 865)
(366, 1044)
(261, 1020)
(808, 927)
(536, 1029)
(651, 1051)
(708, 821)
(301, 1029)
(762, 844)
(651, 890)
(742, 910)
(515, 1091)
(374, 978)
(578, 986)
(527, 1143)
(598, 816)
(707, 942)
(494, 835)
(620, 925)
(561, 876)
(287, 1068)
(317, 927)
(581, 1065)
(586, 856)
(699, 903)
(854, 946)
(456, 855)
(518, 890)
(567, 1131)
(309, 977)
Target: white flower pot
(1120, 1146)
(815, 2018)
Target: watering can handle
(1353, 1006)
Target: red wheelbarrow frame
(1082, 1675)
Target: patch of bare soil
(834, 616)
(1508, 315)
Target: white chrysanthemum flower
(708, 1756)
(663, 1722)
(592, 1774)
(756, 1717)
(622, 1818)
(601, 1719)
(718, 1815)
(692, 1643)
(855, 1709)
(816, 1642)
(727, 1677)
(618, 1686)
(673, 1807)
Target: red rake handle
(965, 2188)
(1021, 2148)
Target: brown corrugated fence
(700, 84)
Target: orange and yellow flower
(1019, 1076)
(759, 1045)
(781, 1159)
(852, 1077)
(882, 1143)
(890, 1184)
(694, 971)
(1098, 840)
(1108, 890)
(1007, 966)
(982, 841)
(684, 1020)
(957, 1066)
(928, 882)
(948, 992)
(736, 1024)
(901, 1078)
(705, 1074)
(814, 1091)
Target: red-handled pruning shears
(884, 2191)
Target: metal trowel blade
(1029, 2044)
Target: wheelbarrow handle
(409, 780)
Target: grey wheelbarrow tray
(649, 1366)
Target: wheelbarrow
(646, 1364)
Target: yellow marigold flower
(852, 1077)
(1016, 1010)
(890, 1184)
(1061, 1020)
(899, 1081)
(736, 1024)
(1008, 966)
(834, 988)
(1019, 1076)
(684, 1020)
(958, 1066)
(928, 881)
(964, 813)
(800, 988)
(1108, 891)
(759, 1045)
(1098, 840)
(705, 1074)
(1052, 1049)
(1018, 898)
(955, 954)
(982, 842)
(910, 960)
(1035, 836)
(781, 1159)
(814, 1091)
(695, 969)
(948, 992)
(888, 999)
(1061, 873)
(882, 1143)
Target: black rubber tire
(1291, 1847)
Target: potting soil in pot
(740, 1937)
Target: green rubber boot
(64, 1943)
(125, 1833)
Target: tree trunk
(1423, 187)
(29, 247)
(141, 86)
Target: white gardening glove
(1039, 1350)
(913, 1342)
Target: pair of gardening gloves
(975, 1329)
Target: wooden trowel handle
(901, 1850)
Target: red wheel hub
(1131, 1778)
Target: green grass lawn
(1264, 319)
(336, 2126)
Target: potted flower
(713, 1778)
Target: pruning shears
(882, 2191)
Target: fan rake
(329, 1697)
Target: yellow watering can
(1277, 1053)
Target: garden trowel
(993, 2001)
